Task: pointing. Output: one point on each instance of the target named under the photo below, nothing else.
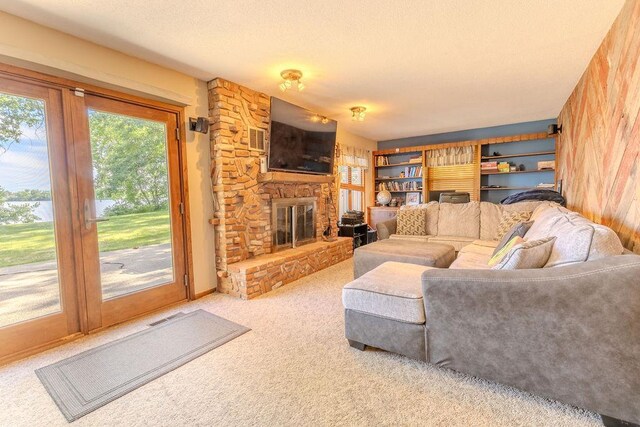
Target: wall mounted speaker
(554, 129)
(200, 124)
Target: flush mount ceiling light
(291, 78)
(318, 118)
(357, 113)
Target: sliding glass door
(92, 224)
(130, 195)
(37, 276)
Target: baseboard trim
(39, 349)
(204, 293)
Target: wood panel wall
(598, 149)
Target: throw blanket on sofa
(538, 194)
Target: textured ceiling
(420, 66)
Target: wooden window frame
(353, 187)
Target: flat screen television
(300, 141)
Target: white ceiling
(420, 66)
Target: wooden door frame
(57, 325)
(104, 313)
(68, 87)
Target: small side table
(359, 232)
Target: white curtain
(450, 156)
(354, 157)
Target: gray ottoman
(368, 257)
(384, 308)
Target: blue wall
(463, 135)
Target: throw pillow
(530, 254)
(505, 250)
(412, 222)
(509, 219)
(520, 229)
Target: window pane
(132, 190)
(356, 200)
(29, 284)
(356, 176)
(343, 206)
(344, 174)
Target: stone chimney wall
(242, 204)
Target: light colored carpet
(89, 380)
(294, 368)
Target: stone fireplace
(252, 257)
(293, 222)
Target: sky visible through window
(25, 165)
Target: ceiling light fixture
(357, 113)
(290, 77)
(318, 118)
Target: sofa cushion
(459, 219)
(412, 222)
(491, 213)
(530, 205)
(509, 219)
(504, 251)
(544, 207)
(519, 229)
(578, 239)
(432, 209)
(392, 290)
(433, 215)
(456, 241)
(410, 238)
(544, 220)
(529, 254)
(605, 242)
(470, 261)
(482, 247)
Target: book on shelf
(413, 172)
(489, 166)
(382, 160)
(399, 186)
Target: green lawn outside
(28, 243)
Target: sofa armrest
(386, 228)
(571, 333)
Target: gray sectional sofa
(569, 331)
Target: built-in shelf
(525, 149)
(398, 178)
(514, 188)
(400, 164)
(293, 177)
(402, 191)
(400, 151)
(509, 156)
(510, 172)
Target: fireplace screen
(293, 222)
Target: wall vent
(256, 139)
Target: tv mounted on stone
(301, 141)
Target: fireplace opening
(293, 222)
